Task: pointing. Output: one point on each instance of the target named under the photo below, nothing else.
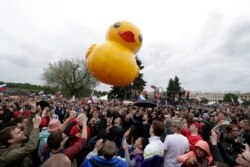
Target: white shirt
(154, 147)
(174, 145)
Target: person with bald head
(57, 160)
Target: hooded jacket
(201, 144)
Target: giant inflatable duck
(113, 62)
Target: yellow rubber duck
(113, 62)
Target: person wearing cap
(54, 126)
(57, 140)
(174, 145)
(194, 135)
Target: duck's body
(113, 62)
(108, 62)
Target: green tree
(174, 90)
(27, 88)
(170, 88)
(229, 96)
(247, 103)
(132, 90)
(177, 86)
(70, 76)
(204, 100)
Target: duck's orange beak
(128, 36)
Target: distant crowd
(54, 132)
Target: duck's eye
(140, 38)
(117, 25)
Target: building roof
(245, 94)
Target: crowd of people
(38, 131)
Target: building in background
(211, 96)
(245, 96)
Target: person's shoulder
(120, 162)
(86, 163)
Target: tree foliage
(204, 100)
(71, 76)
(174, 90)
(170, 87)
(229, 96)
(132, 90)
(174, 87)
(25, 88)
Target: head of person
(57, 160)
(201, 150)
(54, 125)
(221, 116)
(80, 118)
(118, 120)
(12, 135)
(157, 128)
(190, 115)
(55, 140)
(153, 115)
(20, 122)
(241, 122)
(140, 143)
(95, 113)
(233, 130)
(195, 127)
(246, 124)
(145, 117)
(176, 126)
(108, 150)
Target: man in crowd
(104, 155)
(17, 153)
(174, 145)
(153, 153)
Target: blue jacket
(43, 136)
(97, 161)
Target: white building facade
(211, 96)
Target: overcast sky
(205, 43)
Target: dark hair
(158, 128)
(144, 142)
(54, 140)
(222, 112)
(230, 127)
(5, 135)
(17, 120)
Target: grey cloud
(218, 61)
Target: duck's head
(125, 33)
